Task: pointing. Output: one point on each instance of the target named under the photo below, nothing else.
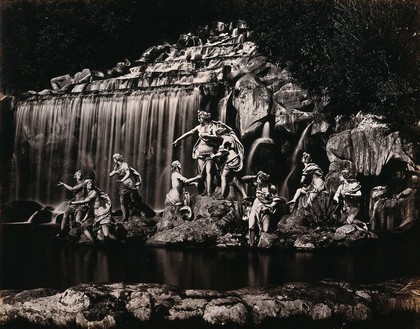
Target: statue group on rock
(217, 147)
(89, 210)
(220, 157)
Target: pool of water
(29, 258)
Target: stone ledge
(121, 305)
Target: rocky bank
(325, 304)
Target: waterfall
(264, 139)
(137, 114)
(284, 190)
(58, 135)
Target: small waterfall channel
(264, 139)
(300, 146)
(58, 135)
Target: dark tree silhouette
(358, 54)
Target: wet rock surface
(326, 304)
(370, 146)
(215, 223)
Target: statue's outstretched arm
(193, 179)
(185, 135)
(68, 187)
(71, 188)
(220, 123)
(88, 199)
(249, 178)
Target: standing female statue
(206, 145)
(263, 206)
(129, 180)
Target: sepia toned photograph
(213, 164)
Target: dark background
(47, 38)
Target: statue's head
(203, 116)
(118, 157)
(262, 176)
(273, 189)
(222, 130)
(78, 175)
(346, 174)
(306, 157)
(175, 165)
(89, 184)
(312, 169)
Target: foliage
(359, 54)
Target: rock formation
(370, 146)
(119, 305)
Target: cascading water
(137, 114)
(57, 136)
(264, 139)
(284, 190)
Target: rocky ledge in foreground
(326, 304)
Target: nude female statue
(178, 183)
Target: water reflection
(30, 259)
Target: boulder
(292, 97)
(216, 222)
(246, 65)
(388, 213)
(252, 100)
(226, 311)
(200, 232)
(369, 146)
(139, 228)
(290, 120)
(274, 77)
(295, 231)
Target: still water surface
(30, 259)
